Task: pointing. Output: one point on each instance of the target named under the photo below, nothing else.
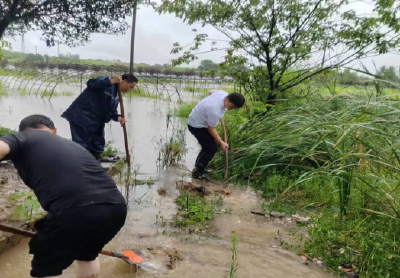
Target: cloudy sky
(155, 37)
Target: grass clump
(184, 110)
(109, 150)
(172, 153)
(3, 91)
(140, 92)
(234, 260)
(192, 89)
(192, 210)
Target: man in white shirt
(202, 123)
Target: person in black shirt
(85, 208)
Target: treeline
(207, 68)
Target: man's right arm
(4, 149)
(217, 138)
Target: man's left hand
(122, 121)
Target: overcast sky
(155, 37)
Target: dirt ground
(10, 184)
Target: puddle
(203, 255)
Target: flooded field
(172, 251)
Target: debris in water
(202, 189)
(162, 192)
(305, 258)
(173, 258)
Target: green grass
(109, 150)
(184, 110)
(234, 260)
(140, 92)
(192, 89)
(3, 91)
(365, 243)
(192, 210)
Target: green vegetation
(367, 244)
(28, 210)
(140, 92)
(335, 154)
(184, 110)
(57, 20)
(109, 150)
(5, 131)
(268, 48)
(192, 89)
(172, 150)
(234, 260)
(3, 91)
(173, 153)
(192, 210)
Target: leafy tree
(168, 71)
(287, 42)
(206, 65)
(389, 74)
(65, 21)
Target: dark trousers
(208, 145)
(94, 142)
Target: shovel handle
(121, 102)
(226, 151)
(16, 231)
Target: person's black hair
(237, 99)
(130, 78)
(35, 122)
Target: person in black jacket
(95, 107)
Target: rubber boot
(199, 173)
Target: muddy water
(202, 254)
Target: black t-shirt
(61, 173)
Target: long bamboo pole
(121, 101)
(226, 151)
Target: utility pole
(58, 50)
(36, 48)
(23, 44)
(133, 37)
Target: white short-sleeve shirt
(209, 111)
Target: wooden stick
(121, 101)
(226, 151)
(16, 231)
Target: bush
(5, 131)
